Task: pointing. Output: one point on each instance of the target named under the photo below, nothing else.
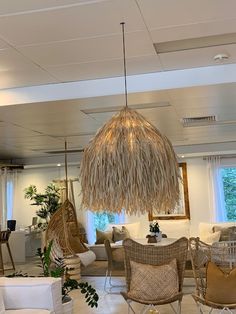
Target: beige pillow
(101, 236)
(221, 287)
(153, 283)
(120, 234)
(227, 234)
(212, 237)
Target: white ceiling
(49, 42)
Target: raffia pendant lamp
(129, 165)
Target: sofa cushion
(101, 236)
(227, 234)
(133, 228)
(207, 228)
(175, 228)
(211, 238)
(120, 234)
(36, 293)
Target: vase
(68, 306)
(159, 236)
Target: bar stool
(4, 237)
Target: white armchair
(30, 295)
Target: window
(100, 220)
(228, 176)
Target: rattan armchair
(223, 255)
(157, 256)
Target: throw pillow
(101, 236)
(153, 283)
(212, 237)
(227, 234)
(120, 234)
(221, 287)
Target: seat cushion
(153, 283)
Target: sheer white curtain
(8, 184)
(216, 192)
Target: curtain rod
(226, 156)
(63, 180)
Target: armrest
(32, 293)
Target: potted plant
(49, 202)
(155, 232)
(58, 269)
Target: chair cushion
(227, 234)
(153, 283)
(101, 236)
(120, 234)
(221, 287)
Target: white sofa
(206, 233)
(30, 295)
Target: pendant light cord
(124, 57)
(66, 170)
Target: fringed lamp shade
(129, 165)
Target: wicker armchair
(115, 261)
(223, 255)
(156, 256)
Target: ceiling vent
(198, 121)
(195, 43)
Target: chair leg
(1, 262)
(9, 251)
(130, 308)
(178, 309)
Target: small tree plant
(48, 202)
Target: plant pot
(67, 305)
(159, 236)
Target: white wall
(197, 186)
(41, 177)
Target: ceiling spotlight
(58, 165)
(182, 156)
(221, 57)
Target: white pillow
(133, 228)
(2, 307)
(175, 228)
(87, 257)
(211, 237)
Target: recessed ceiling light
(182, 156)
(221, 57)
(58, 165)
